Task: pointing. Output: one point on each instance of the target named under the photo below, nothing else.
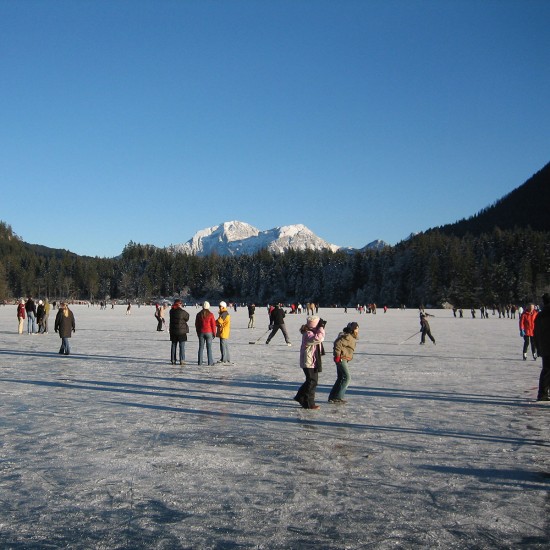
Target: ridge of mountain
(235, 238)
(525, 206)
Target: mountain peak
(234, 238)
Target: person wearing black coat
(178, 332)
(30, 308)
(276, 323)
(65, 326)
(40, 314)
(542, 338)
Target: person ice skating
(223, 325)
(526, 330)
(542, 339)
(21, 316)
(251, 312)
(313, 334)
(65, 326)
(158, 317)
(205, 325)
(178, 328)
(277, 322)
(343, 349)
(425, 328)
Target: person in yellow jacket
(223, 324)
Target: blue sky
(146, 121)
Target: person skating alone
(65, 326)
(313, 334)
(343, 350)
(425, 328)
(542, 338)
(527, 330)
(277, 322)
(251, 312)
(158, 317)
(178, 328)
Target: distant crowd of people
(534, 329)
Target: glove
(337, 359)
(522, 333)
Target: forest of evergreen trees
(433, 268)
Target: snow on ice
(113, 447)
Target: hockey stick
(256, 341)
(410, 337)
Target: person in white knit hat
(223, 323)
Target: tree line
(432, 268)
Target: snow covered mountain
(376, 245)
(235, 238)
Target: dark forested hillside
(499, 256)
(526, 206)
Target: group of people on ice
(37, 315)
(311, 353)
(534, 329)
(37, 320)
(207, 327)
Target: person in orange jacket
(527, 330)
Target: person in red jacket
(21, 316)
(205, 325)
(527, 330)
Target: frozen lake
(112, 447)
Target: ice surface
(113, 447)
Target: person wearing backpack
(344, 347)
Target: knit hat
(206, 305)
(223, 304)
(312, 321)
